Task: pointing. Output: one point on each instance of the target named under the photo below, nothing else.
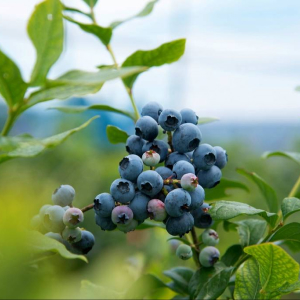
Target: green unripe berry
(210, 237)
(72, 235)
(209, 256)
(184, 252)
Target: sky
(242, 59)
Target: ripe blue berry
(151, 158)
(156, 210)
(189, 182)
(174, 157)
(53, 218)
(180, 225)
(189, 116)
(122, 190)
(55, 236)
(209, 256)
(152, 109)
(150, 183)
(184, 252)
(202, 219)
(222, 157)
(130, 167)
(63, 195)
(134, 145)
(186, 138)
(139, 206)
(209, 178)
(86, 243)
(128, 227)
(204, 157)
(169, 119)
(121, 215)
(197, 197)
(104, 204)
(146, 128)
(210, 237)
(161, 147)
(177, 202)
(164, 172)
(72, 235)
(73, 217)
(181, 168)
(105, 223)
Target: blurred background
(242, 65)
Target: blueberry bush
(170, 179)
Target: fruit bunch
(61, 221)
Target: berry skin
(72, 235)
(134, 145)
(180, 225)
(161, 147)
(209, 178)
(130, 167)
(43, 210)
(174, 157)
(55, 236)
(122, 190)
(210, 237)
(35, 222)
(183, 167)
(146, 128)
(222, 157)
(189, 182)
(186, 138)
(151, 158)
(53, 218)
(128, 227)
(209, 256)
(156, 210)
(177, 202)
(73, 217)
(204, 157)
(105, 223)
(139, 207)
(121, 215)
(64, 195)
(202, 219)
(104, 204)
(189, 116)
(150, 183)
(184, 252)
(164, 172)
(86, 243)
(152, 109)
(169, 119)
(197, 197)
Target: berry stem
(170, 138)
(87, 208)
(172, 181)
(196, 246)
(295, 188)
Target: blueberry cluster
(61, 221)
(172, 191)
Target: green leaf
(72, 9)
(12, 86)
(225, 210)
(165, 54)
(42, 244)
(88, 290)
(45, 29)
(247, 283)
(295, 156)
(102, 33)
(91, 3)
(143, 13)
(33, 147)
(286, 290)
(289, 232)
(232, 255)
(116, 135)
(150, 224)
(267, 191)
(290, 206)
(204, 120)
(221, 190)
(276, 267)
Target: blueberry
(130, 167)
(210, 237)
(209, 178)
(150, 183)
(184, 252)
(63, 195)
(151, 158)
(209, 256)
(174, 157)
(86, 243)
(73, 217)
(180, 225)
(152, 109)
(146, 128)
(53, 218)
(121, 215)
(55, 236)
(72, 235)
(156, 210)
(43, 210)
(105, 223)
(134, 145)
(183, 167)
(189, 182)
(122, 190)
(202, 219)
(204, 157)
(177, 202)
(35, 222)
(197, 197)
(161, 195)
(104, 204)
(128, 227)
(169, 119)
(189, 116)
(161, 147)
(222, 157)
(139, 206)
(190, 154)
(186, 138)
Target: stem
(87, 208)
(93, 14)
(170, 138)
(171, 181)
(8, 124)
(295, 188)
(108, 47)
(196, 246)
